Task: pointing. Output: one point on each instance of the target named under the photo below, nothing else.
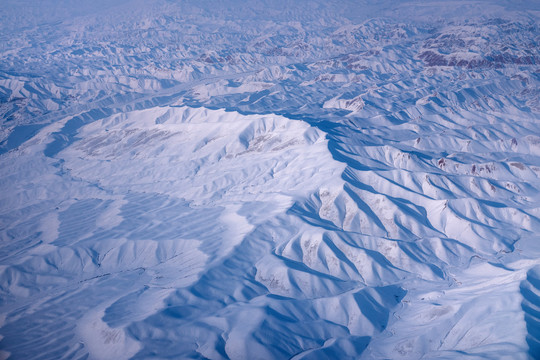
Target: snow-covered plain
(269, 179)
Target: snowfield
(269, 179)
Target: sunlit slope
(161, 217)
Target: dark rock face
(432, 58)
(494, 44)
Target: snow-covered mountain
(269, 179)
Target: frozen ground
(269, 179)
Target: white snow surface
(269, 179)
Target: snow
(304, 180)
